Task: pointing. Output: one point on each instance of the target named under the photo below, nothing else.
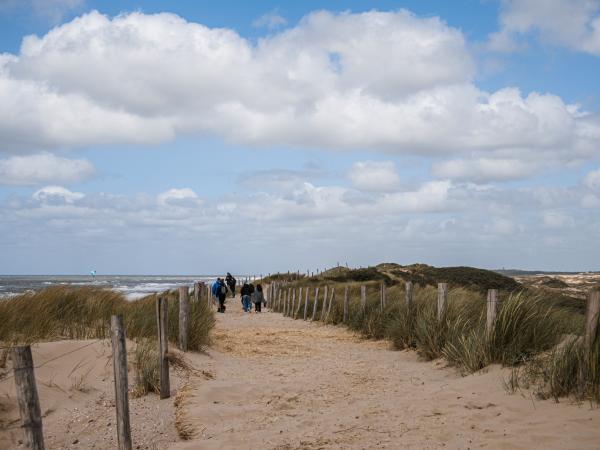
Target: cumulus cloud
(374, 175)
(175, 77)
(43, 168)
(570, 23)
(184, 197)
(483, 169)
(592, 180)
(56, 194)
(432, 222)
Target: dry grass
(527, 329)
(64, 312)
(273, 342)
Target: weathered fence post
(162, 319)
(121, 384)
(363, 298)
(442, 303)
(345, 319)
(383, 296)
(591, 320)
(197, 291)
(492, 309)
(299, 303)
(183, 318)
(324, 303)
(408, 295)
(306, 304)
(314, 313)
(331, 299)
(27, 397)
(279, 301)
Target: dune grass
(64, 312)
(528, 334)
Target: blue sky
(151, 137)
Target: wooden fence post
(314, 313)
(162, 319)
(331, 299)
(363, 298)
(279, 301)
(306, 304)
(492, 309)
(442, 303)
(591, 320)
(324, 303)
(183, 318)
(197, 291)
(291, 312)
(346, 305)
(121, 384)
(299, 303)
(408, 295)
(27, 397)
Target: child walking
(258, 298)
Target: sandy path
(284, 384)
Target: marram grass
(528, 334)
(64, 312)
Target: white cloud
(43, 168)
(145, 79)
(571, 23)
(322, 89)
(557, 219)
(592, 180)
(374, 176)
(271, 20)
(483, 169)
(184, 197)
(54, 194)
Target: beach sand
(271, 382)
(77, 401)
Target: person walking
(258, 298)
(246, 292)
(221, 294)
(231, 282)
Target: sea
(132, 286)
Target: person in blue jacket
(219, 290)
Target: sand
(271, 382)
(77, 401)
(284, 384)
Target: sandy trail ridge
(285, 384)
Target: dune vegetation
(536, 334)
(64, 312)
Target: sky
(147, 137)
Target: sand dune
(273, 383)
(77, 401)
(284, 384)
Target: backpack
(223, 290)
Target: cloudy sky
(176, 137)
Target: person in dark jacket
(221, 294)
(258, 298)
(231, 282)
(246, 292)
